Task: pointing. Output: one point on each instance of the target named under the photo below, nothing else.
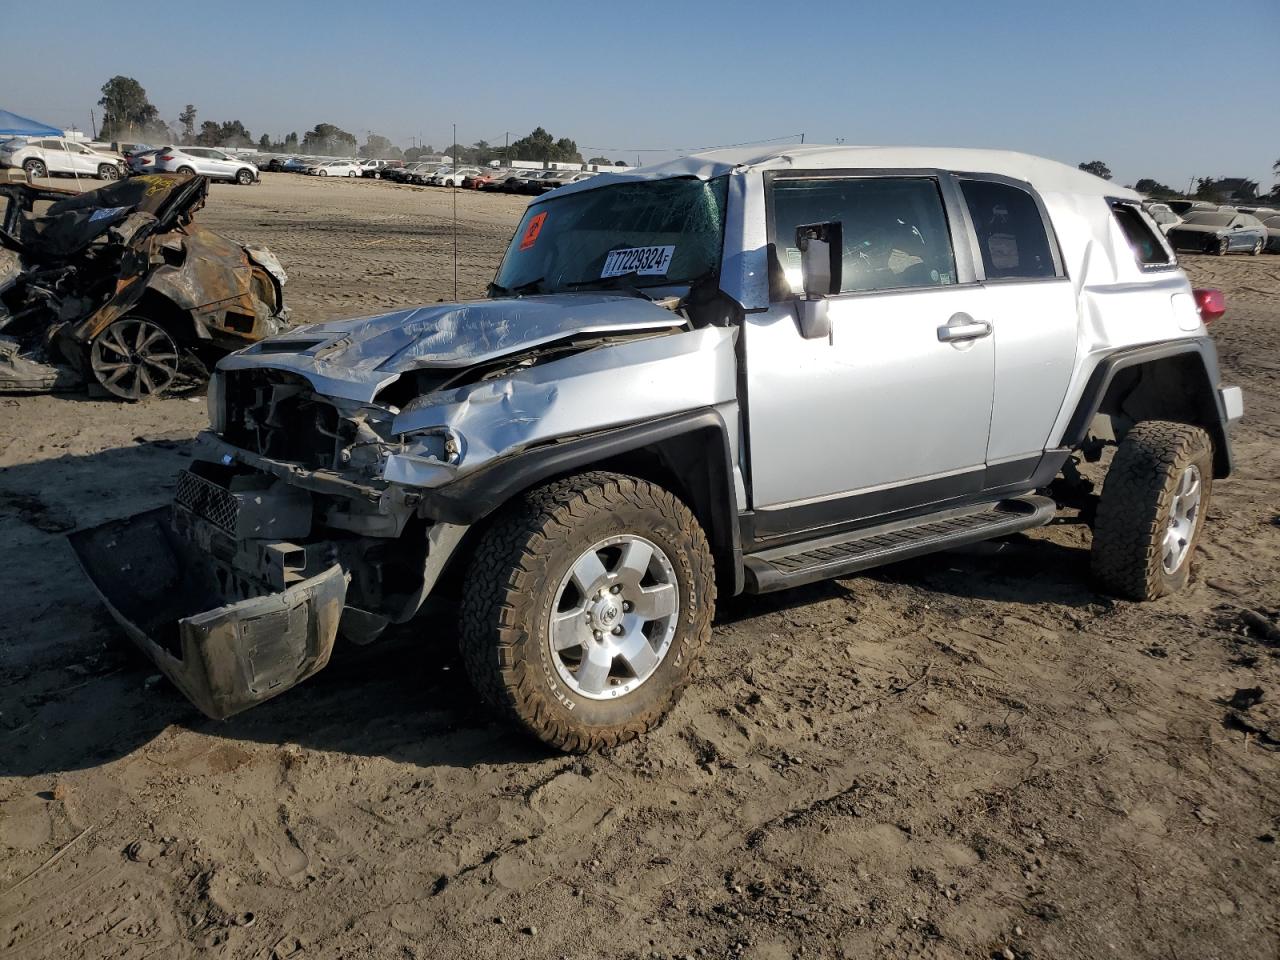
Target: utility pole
(802, 138)
(454, 191)
(93, 123)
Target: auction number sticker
(646, 261)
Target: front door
(893, 410)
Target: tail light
(166, 157)
(1211, 304)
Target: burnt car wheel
(585, 607)
(135, 358)
(36, 168)
(244, 177)
(107, 171)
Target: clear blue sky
(1165, 89)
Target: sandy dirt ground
(970, 755)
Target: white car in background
(1163, 215)
(371, 168)
(49, 155)
(454, 178)
(335, 168)
(208, 162)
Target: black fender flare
(1207, 398)
(470, 499)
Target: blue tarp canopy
(12, 125)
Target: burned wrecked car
(118, 287)
(737, 372)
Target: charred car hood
(354, 359)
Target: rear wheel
(1154, 499)
(134, 358)
(584, 608)
(36, 168)
(189, 171)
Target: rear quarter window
(1147, 248)
(1011, 231)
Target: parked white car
(1163, 215)
(335, 168)
(454, 178)
(371, 168)
(207, 161)
(51, 155)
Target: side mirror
(821, 258)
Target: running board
(837, 556)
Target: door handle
(963, 327)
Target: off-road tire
(512, 583)
(1133, 511)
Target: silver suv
(214, 164)
(736, 372)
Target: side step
(836, 556)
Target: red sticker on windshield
(531, 231)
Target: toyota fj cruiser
(732, 372)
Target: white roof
(1047, 176)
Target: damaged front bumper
(225, 653)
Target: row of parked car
(1198, 226)
(435, 174)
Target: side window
(50, 145)
(894, 230)
(1011, 232)
(1146, 246)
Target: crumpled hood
(354, 359)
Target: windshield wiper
(531, 286)
(622, 282)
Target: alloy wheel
(1184, 514)
(614, 617)
(135, 358)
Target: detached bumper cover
(224, 655)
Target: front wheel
(1154, 499)
(107, 171)
(244, 177)
(1224, 246)
(585, 607)
(134, 358)
(1257, 248)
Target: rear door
(1032, 307)
(891, 411)
(56, 156)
